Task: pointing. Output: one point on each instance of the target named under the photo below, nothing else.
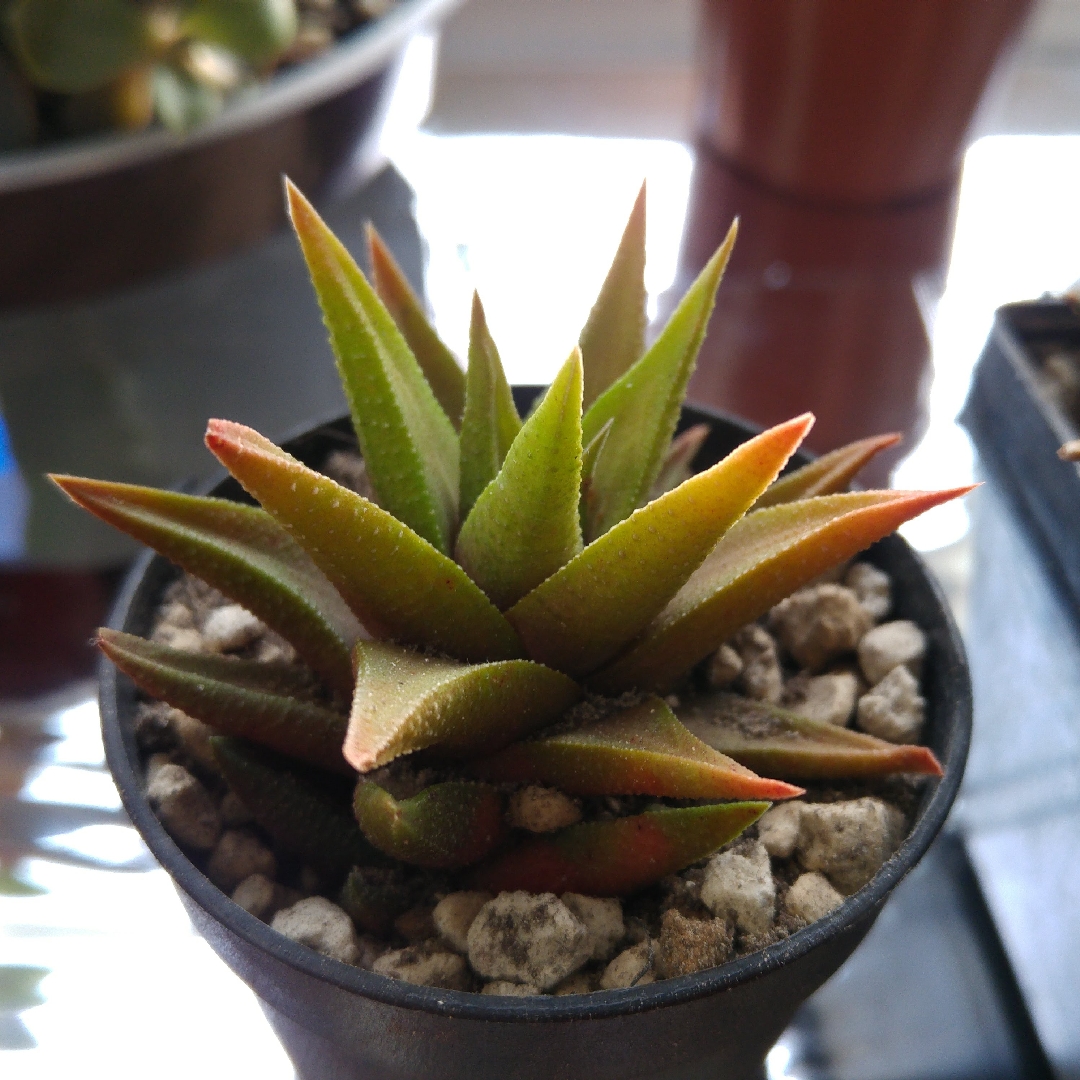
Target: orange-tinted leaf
(305, 811)
(243, 552)
(830, 474)
(408, 701)
(613, 858)
(525, 524)
(781, 743)
(765, 557)
(586, 612)
(269, 703)
(444, 827)
(613, 338)
(678, 464)
(438, 363)
(396, 582)
(643, 750)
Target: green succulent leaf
(182, 103)
(525, 524)
(71, 46)
(491, 420)
(677, 466)
(438, 363)
(781, 743)
(374, 897)
(269, 703)
(583, 614)
(830, 474)
(644, 402)
(398, 585)
(306, 812)
(590, 493)
(765, 557)
(258, 31)
(613, 338)
(244, 553)
(444, 827)
(408, 701)
(409, 446)
(613, 858)
(643, 750)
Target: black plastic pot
(341, 1022)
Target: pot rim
(359, 54)
(860, 906)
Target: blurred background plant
(75, 67)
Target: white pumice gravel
(811, 897)
(762, 677)
(320, 925)
(872, 586)
(603, 919)
(230, 627)
(889, 645)
(541, 809)
(741, 885)
(238, 855)
(820, 624)
(501, 988)
(829, 699)
(454, 914)
(688, 944)
(848, 841)
(527, 938)
(581, 982)
(185, 807)
(195, 737)
(778, 828)
(724, 668)
(426, 964)
(632, 967)
(255, 894)
(893, 710)
(184, 638)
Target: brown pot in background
(835, 130)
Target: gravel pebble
(778, 828)
(632, 967)
(762, 678)
(811, 897)
(893, 710)
(426, 964)
(501, 988)
(848, 841)
(320, 925)
(541, 809)
(185, 808)
(873, 588)
(687, 945)
(581, 982)
(829, 699)
(229, 628)
(891, 644)
(820, 624)
(741, 886)
(454, 914)
(724, 668)
(238, 855)
(603, 919)
(255, 894)
(195, 737)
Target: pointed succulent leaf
(409, 446)
(408, 701)
(643, 750)
(271, 704)
(586, 612)
(613, 338)
(781, 743)
(613, 858)
(765, 557)
(438, 363)
(525, 523)
(677, 466)
(830, 474)
(444, 827)
(50, 38)
(244, 553)
(397, 583)
(306, 812)
(375, 896)
(491, 420)
(644, 403)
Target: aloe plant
(512, 600)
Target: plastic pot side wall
(342, 1022)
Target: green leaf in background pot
(490, 420)
(525, 523)
(613, 338)
(445, 826)
(69, 46)
(182, 103)
(644, 403)
(409, 446)
(256, 30)
(408, 701)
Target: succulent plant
(509, 604)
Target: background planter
(341, 1022)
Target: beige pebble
(724, 668)
(872, 586)
(501, 988)
(185, 807)
(632, 967)
(778, 828)
(893, 710)
(454, 914)
(889, 645)
(740, 885)
(811, 897)
(820, 624)
(426, 964)
(320, 925)
(762, 678)
(541, 809)
(848, 841)
(238, 855)
(603, 919)
(687, 944)
(230, 627)
(828, 699)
